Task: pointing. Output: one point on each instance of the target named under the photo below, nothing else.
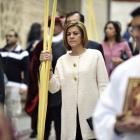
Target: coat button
(75, 78)
(74, 65)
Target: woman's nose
(71, 36)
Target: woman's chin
(73, 46)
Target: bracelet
(51, 69)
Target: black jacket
(57, 51)
(15, 62)
(2, 89)
(95, 45)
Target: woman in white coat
(82, 76)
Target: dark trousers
(78, 131)
(57, 120)
(34, 118)
(54, 113)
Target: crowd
(87, 80)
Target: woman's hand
(116, 61)
(45, 56)
(22, 91)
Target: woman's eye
(68, 34)
(75, 33)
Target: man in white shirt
(108, 124)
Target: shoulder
(24, 53)
(18, 50)
(123, 43)
(58, 48)
(57, 44)
(39, 46)
(2, 49)
(38, 49)
(93, 53)
(63, 58)
(93, 43)
(104, 44)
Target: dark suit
(134, 52)
(57, 50)
(95, 45)
(2, 89)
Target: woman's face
(74, 37)
(110, 30)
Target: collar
(57, 38)
(16, 49)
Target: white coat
(81, 80)
(112, 101)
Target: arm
(25, 69)
(127, 49)
(105, 112)
(54, 83)
(102, 76)
(117, 60)
(100, 48)
(2, 89)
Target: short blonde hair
(81, 27)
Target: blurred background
(21, 14)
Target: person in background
(77, 16)
(78, 98)
(126, 36)
(54, 105)
(113, 46)
(2, 87)
(34, 37)
(15, 62)
(129, 41)
(108, 115)
(132, 42)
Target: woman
(34, 37)
(81, 75)
(113, 46)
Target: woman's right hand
(45, 56)
(116, 61)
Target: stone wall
(21, 14)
